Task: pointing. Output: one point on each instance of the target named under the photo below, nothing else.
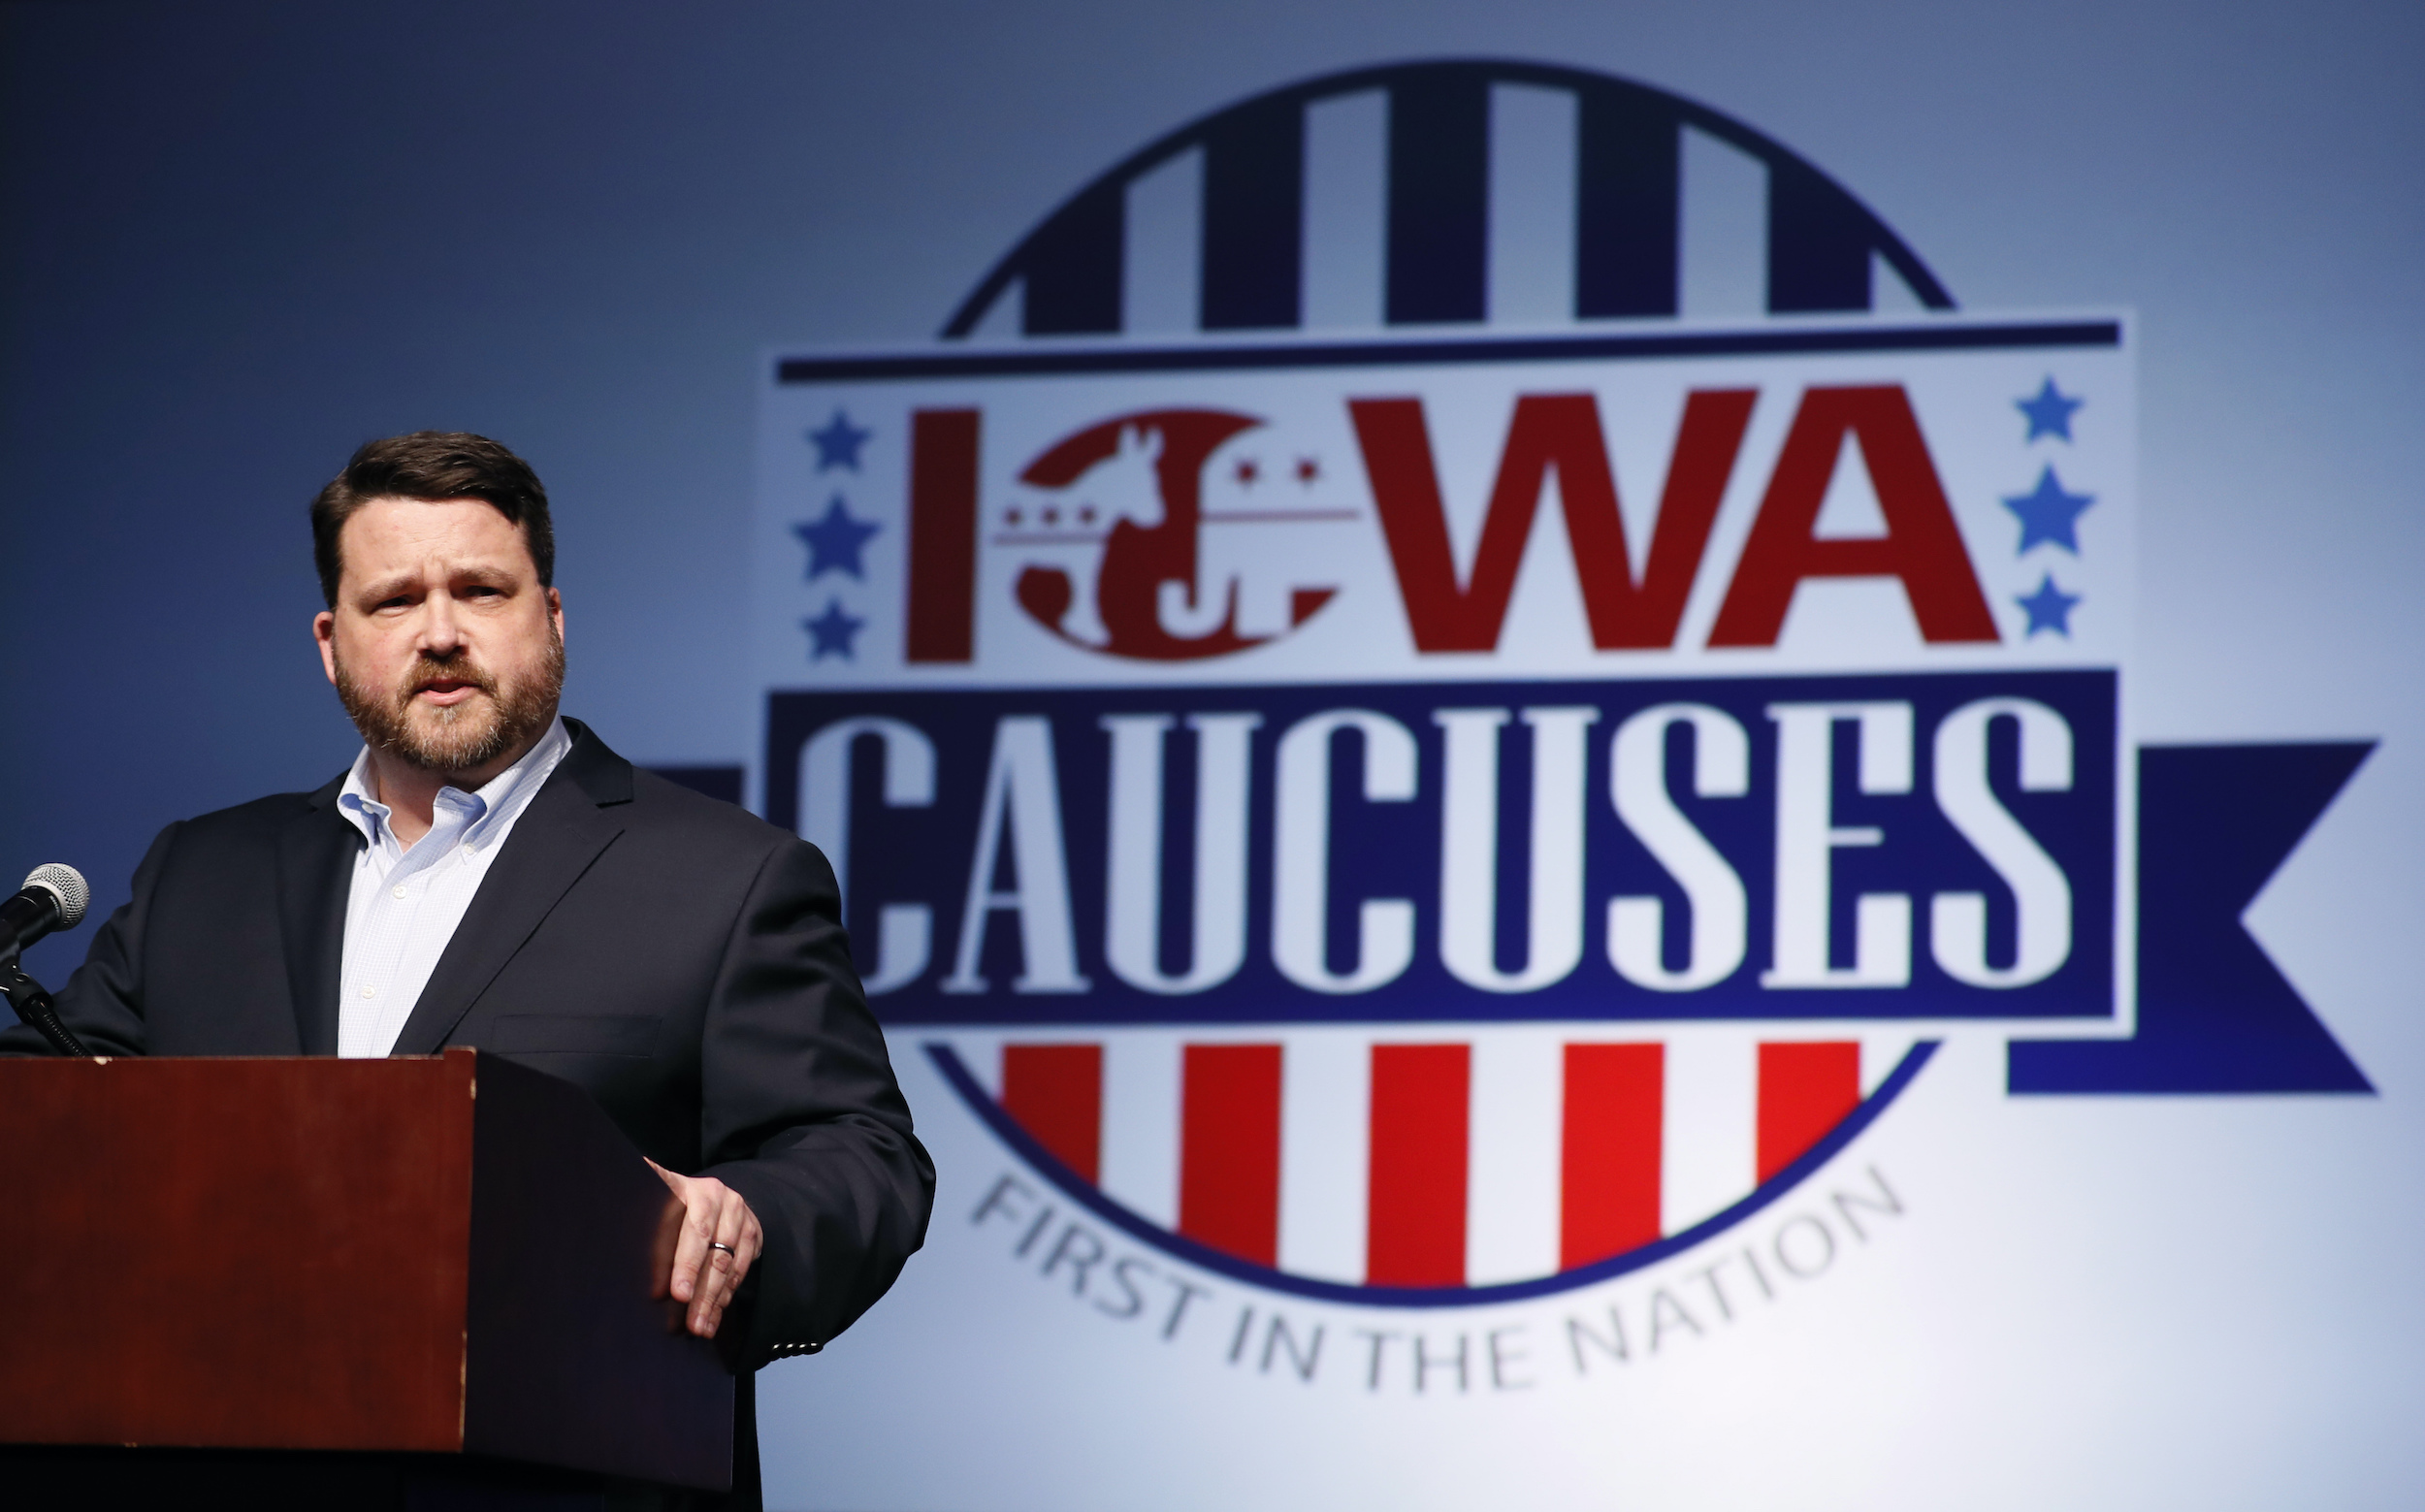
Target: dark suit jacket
(678, 958)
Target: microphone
(54, 898)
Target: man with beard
(490, 874)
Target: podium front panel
(238, 1253)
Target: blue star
(2047, 514)
(831, 632)
(2048, 411)
(833, 542)
(2049, 608)
(838, 443)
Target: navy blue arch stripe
(1074, 275)
(1821, 237)
(1254, 234)
(1087, 1195)
(1628, 189)
(1818, 243)
(1438, 263)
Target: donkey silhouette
(1133, 589)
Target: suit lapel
(315, 855)
(565, 828)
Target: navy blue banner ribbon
(2215, 1016)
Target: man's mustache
(427, 673)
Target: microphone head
(65, 883)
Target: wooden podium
(359, 1283)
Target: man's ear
(556, 611)
(324, 633)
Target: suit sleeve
(801, 1114)
(103, 1003)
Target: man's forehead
(394, 534)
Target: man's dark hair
(432, 464)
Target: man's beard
(462, 737)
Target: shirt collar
(493, 803)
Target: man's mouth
(445, 691)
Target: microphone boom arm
(34, 1005)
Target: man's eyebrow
(388, 586)
(381, 589)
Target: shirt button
(369, 992)
(400, 890)
(469, 848)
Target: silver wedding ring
(727, 1248)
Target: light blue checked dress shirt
(406, 902)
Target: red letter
(943, 536)
(1557, 432)
(1921, 545)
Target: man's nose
(441, 630)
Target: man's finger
(723, 1261)
(727, 1278)
(758, 1240)
(753, 1243)
(690, 1253)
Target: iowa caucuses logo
(1402, 742)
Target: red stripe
(1806, 1090)
(1610, 1160)
(1229, 1150)
(942, 536)
(1414, 1232)
(1055, 1092)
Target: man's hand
(718, 1240)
